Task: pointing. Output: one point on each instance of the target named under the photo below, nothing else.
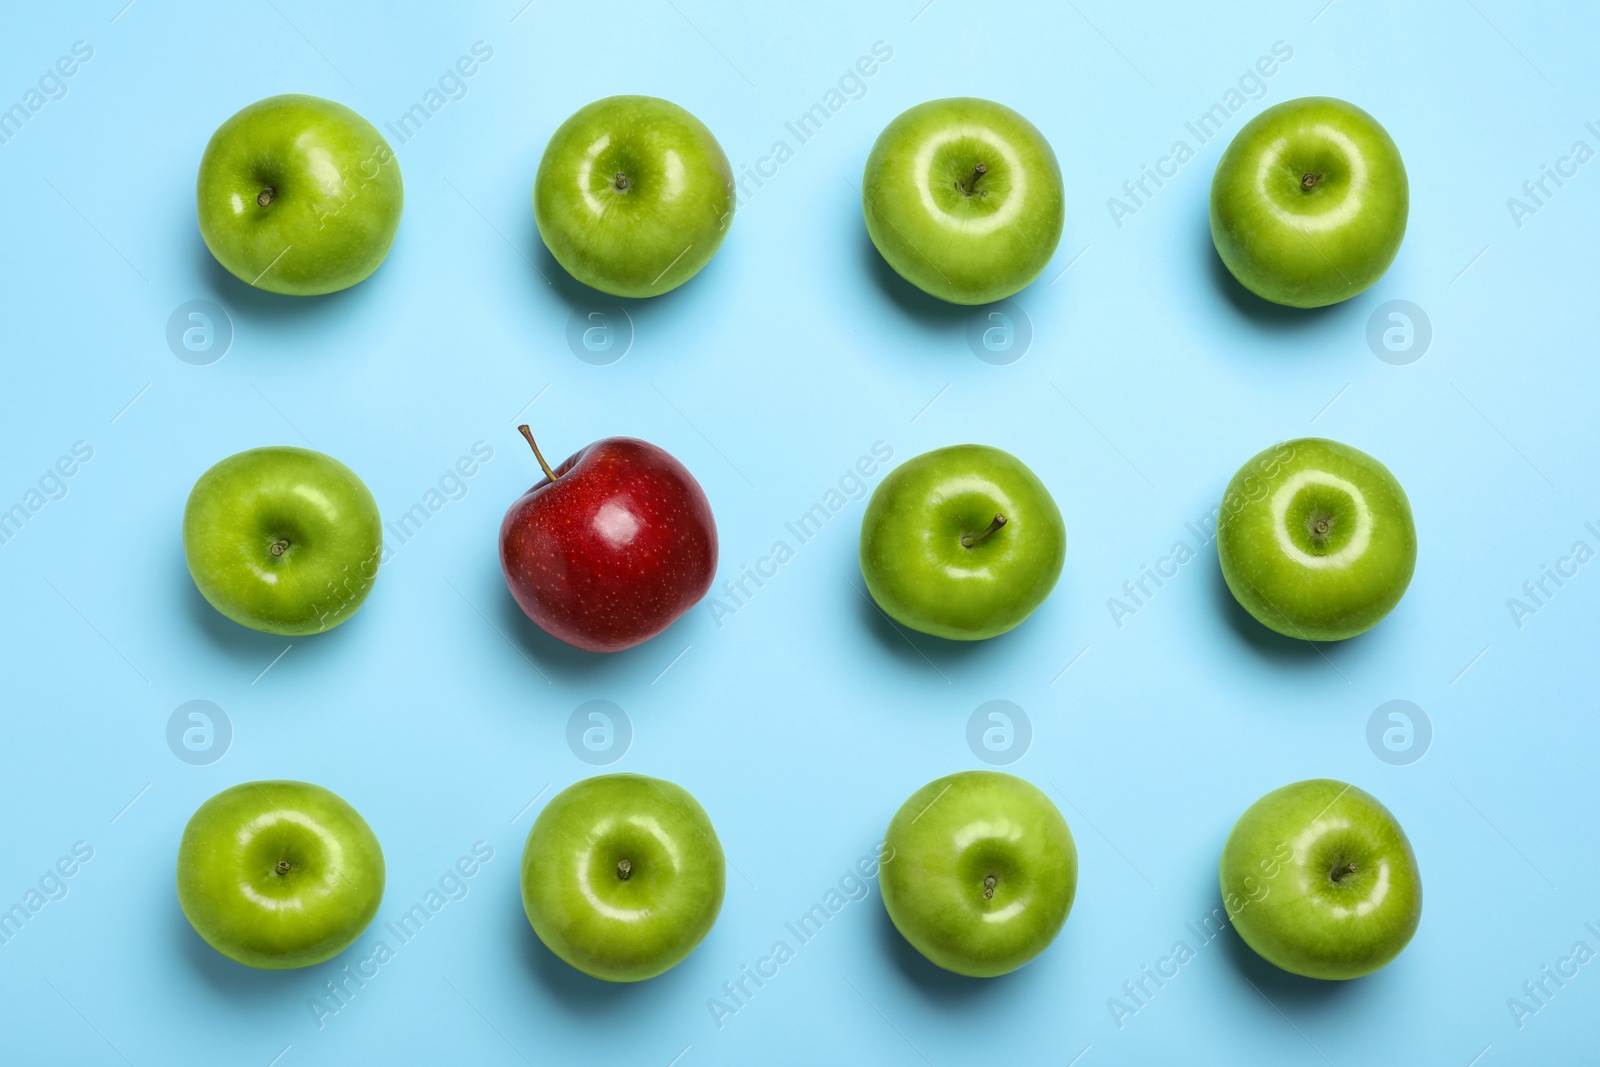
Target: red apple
(611, 546)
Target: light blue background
(803, 721)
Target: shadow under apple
(562, 661)
(549, 274)
(1279, 986)
(579, 993)
(912, 648)
(1265, 642)
(250, 649)
(261, 988)
(277, 312)
(916, 307)
(931, 980)
(1260, 313)
(237, 642)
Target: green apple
(622, 876)
(962, 542)
(979, 872)
(963, 198)
(299, 195)
(279, 874)
(283, 540)
(1315, 539)
(633, 196)
(1320, 880)
(1309, 202)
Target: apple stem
(968, 540)
(989, 882)
(624, 869)
(283, 867)
(971, 186)
(280, 546)
(264, 197)
(1318, 526)
(1338, 873)
(1309, 181)
(620, 182)
(548, 473)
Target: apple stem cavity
(989, 882)
(1318, 526)
(620, 182)
(265, 196)
(624, 869)
(968, 540)
(970, 187)
(548, 473)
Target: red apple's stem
(264, 197)
(548, 473)
(624, 869)
(968, 540)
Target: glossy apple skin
(965, 240)
(915, 565)
(1289, 889)
(1316, 588)
(614, 928)
(308, 503)
(337, 195)
(234, 894)
(944, 844)
(660, 230)
(614, 550)
(1309, 247)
